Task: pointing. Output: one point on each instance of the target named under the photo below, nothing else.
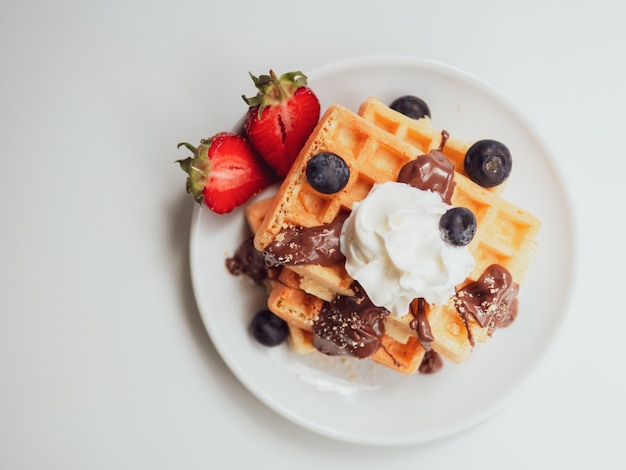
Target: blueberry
(457, 226)
(327, 172)
(410, 106)
(269, 329)
(488, 163)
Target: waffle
(255, 213)
(505, 233)
(417, 132)
(289, 300)
(372, 155)
(300, 309)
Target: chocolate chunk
(247, 260)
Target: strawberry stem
(188, 146)
(197, 167)
(276, 80)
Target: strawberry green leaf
(197, 167)
(274, 90)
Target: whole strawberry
(281, 117)
(224, 172)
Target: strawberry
(280, 117)
(224, 172)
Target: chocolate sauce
(249, 261)
(432, 171)
(349, 325)
(431, 363)
(307, 245)
(491, 300)
(420, 321)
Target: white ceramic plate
(353, 400)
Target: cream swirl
(394, 249)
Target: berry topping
(224, 172)
(268, 328)
(280, 117)
(327, 172)
(457, 226)
(488, 163)
(410, 106)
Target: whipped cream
(394, 249)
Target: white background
(104, 361)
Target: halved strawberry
(224, 172)
(281, 117)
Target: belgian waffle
(505, 234)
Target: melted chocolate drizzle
(349, 326)
(491, 300)
(431, 362)
(307, 245)
(420, 321)
(431, 171)
(247, 260)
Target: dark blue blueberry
(410, 106)
(488, 163)
(268, 328)
(327, 172)
(457, 226)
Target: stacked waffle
(376, 143)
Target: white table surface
(104, 361)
